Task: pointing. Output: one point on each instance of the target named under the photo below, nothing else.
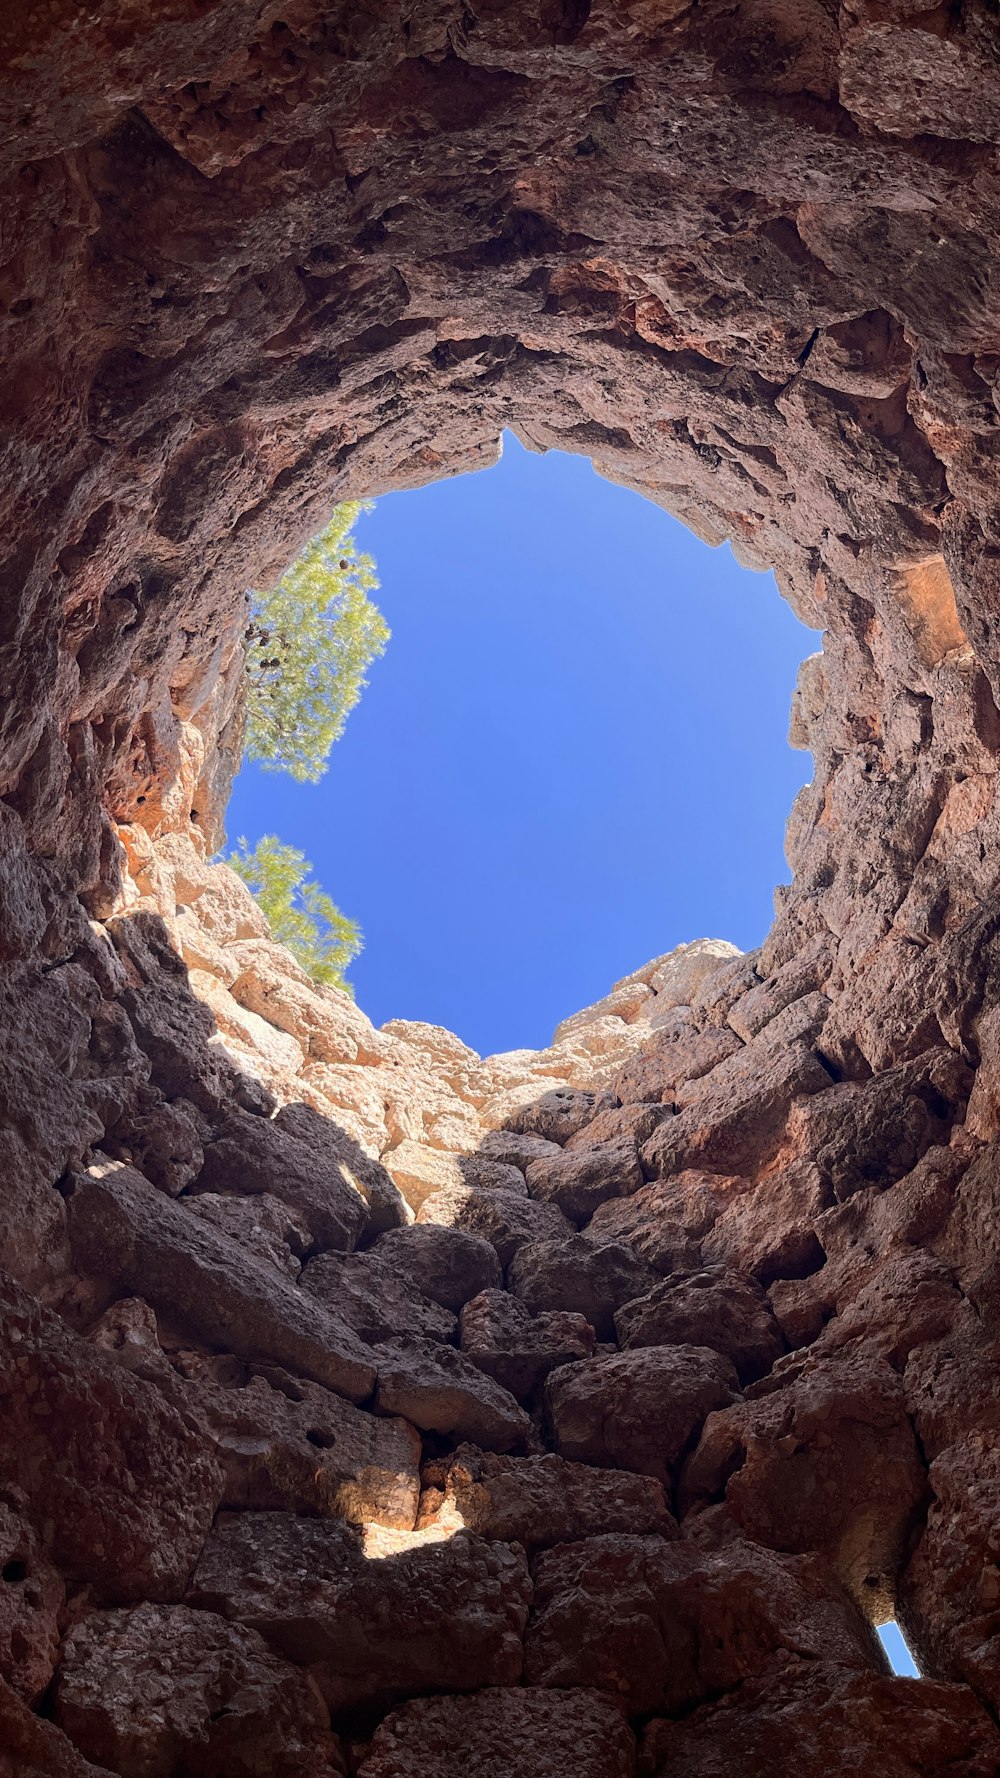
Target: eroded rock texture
(369, 1406)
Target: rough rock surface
(254, 260)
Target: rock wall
(369, 1407)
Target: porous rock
(369, 1626)
(536, 1733)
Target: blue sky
(572, 757)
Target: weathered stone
(117, 1482)
(517, 1349)
(30, 1747)
(555, 1115)
(578, 1180)
(446, 1264)
(824, 1460)
(421, 1172)
(160, 1688)
(744, 258)
(515, 1148)
(505, 1219)
(31, 1599)
(667, 1220)
(445, 1613)
(736, 1121)
(587, 1277)
(637, 1410)
(666, 1626)
(440, 1390)
(709, 1308)
(819, 1717)
(122, 1228)
(369, 1293)
(387, 1208)
(538, 1734)
(248, 1155)
(266, 1227)
(539, 1501)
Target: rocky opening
(687, 1375)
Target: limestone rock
(421, 1172)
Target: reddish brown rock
(518, 1349)
(348, 1162)
(266, 1227)
(555, 1116)
(581, 1178)
(448, 1613)
(506, 1219)
(587, 1277)
(654, 1075)
(31, 1600)
(440, 1390)
(637, 1410)
(825, 1459)
(667, 1220)
(162, 1688)
(744, 258)
(949, 1594)
(449, 1265)
(665, 1626)
(823, 1719)
(538, 1501)
(515, 1148)
(122, 1228)
(713, 1308)
(30, 1747)
(370, 1293)
(247, 1155)
(119, 1486)
(736, 1119)
(538, 1734)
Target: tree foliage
(298, 912)
(310, 642)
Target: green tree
(310, 642)
(298, 912)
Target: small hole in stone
(323, 1440)
(899, 1656)
(14, 1571)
